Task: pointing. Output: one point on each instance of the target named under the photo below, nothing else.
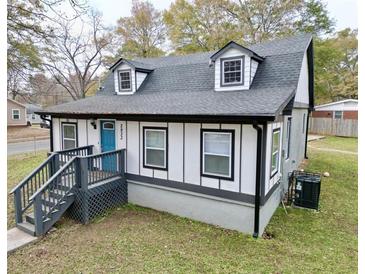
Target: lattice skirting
(97, 199)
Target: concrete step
(27, 227)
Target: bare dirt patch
(22, 134)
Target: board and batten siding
(183, 151)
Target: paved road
(30, 146)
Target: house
(32, 117)
(16, 113)
(345, 109)
(210, 136)
(337, 118)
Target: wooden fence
(336, 127)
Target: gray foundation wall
(208, 209)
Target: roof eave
(233, 44)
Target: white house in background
(210, 136)
(32, 117)
(345, 109)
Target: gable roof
(16, 102)
(133, 63)
(233, 44)
(184, 86)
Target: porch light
(93, 123)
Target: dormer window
(125, 80)
(232, 71)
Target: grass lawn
(135, 239)
(339, 143)
(25, 133)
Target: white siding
(116, 80)
(192, 154)
(302, 94)
(132, 148)
(140, 78)
(56, 134)
(340, 106)
(248, 164)
(175, 152)
(246, 71)
(184, 151)
(254, 65)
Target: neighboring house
(16, 113)
(32, 117)
(345, 109)
(209, 136)
(337, 118)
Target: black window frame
(76, 133)
(120, 80)
(166, 148)
(272, 146)
(222, 60)
(232, 132)
(288, 137)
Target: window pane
(126, 84)
(232, 71)
(155, 157)
(217, 143)
(155, 139)
(108, 126)
(276, 141)
(216, 165)
(69, 144)
(338, 114)
(69, 131)
(274, 162)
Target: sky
(343, 11)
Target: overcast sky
(343, 11)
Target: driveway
(29, 146)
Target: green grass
(135, 239)
(19, 166)
(339, 143)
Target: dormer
(129, 75)
(235, 67)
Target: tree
(74, 59)
(265, 20)
(201, 25)
(143, 33)
(28, 26)
(336, 67)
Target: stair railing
(49, 197)
(30, 184)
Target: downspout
(43, 117)
(306, 135)
(258, 181)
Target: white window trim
(122, 90)
(69, 139)
(223, 78)
(155, 148)
(12, 114)
(276, 170)
(217, 154)
(334, 114)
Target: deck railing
(34, 181)
(103, 166)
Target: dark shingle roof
(184, 85)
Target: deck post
(121, 162)
(38, 222)
(83, 177)
(55, 163)
(18, 206)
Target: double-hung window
(155, 148)
(15, 114)
(232, 72)
(125, 82)
(217, 153)
(275, 151)
(69, 135)
(288, 133)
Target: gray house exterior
(209, 136)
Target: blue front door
(108, 144)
